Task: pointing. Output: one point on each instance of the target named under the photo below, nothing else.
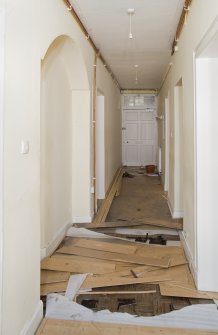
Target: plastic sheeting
(193, 317)
(203, 316)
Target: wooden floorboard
(66, 327)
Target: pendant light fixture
(130, 12)
(136, 74)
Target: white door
(138, 137)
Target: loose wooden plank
(160, 262)
(105, 206)
(178, 289)
(48, 276)
(69, 327)
(157, 223)
(140, 270)
(66, 264)
(176, 254)
(179, 273)
(113, 224)
(122, 273)
(53, 288)
(129, 272)
(116, 292)
(94, 282)
(118, 265)
(105, 246)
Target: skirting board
(82, 219)
(176, 214)
(53, 244)
(32, 325)
(188, 256)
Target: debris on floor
(96, 277)
(128, 268)
(64, 307)
(127, 175)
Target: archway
(65, 141)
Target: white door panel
(146, 154)
(131, 131)
(145, 116)
(132, 153)
(131, 116)
(147, 131)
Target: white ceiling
(153, 27)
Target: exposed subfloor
(141, 200)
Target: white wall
(65, 140)
(207, 165)
(81, 159)
(2, 36)
(199, 20)
(113, 154)
(56, 143)
(31, 27)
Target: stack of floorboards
(114, 262)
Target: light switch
(24, 147)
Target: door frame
(100, 146)
(2, 50)
(142, 108)
(167, 144)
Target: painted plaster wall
(199, 20)
(56, 142)
(112, 122)
(31, 26)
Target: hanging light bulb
(130, 12)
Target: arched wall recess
(65, 140)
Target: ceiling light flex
(130, 12)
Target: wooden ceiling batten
(82, 27)
(181, 23)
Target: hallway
(87, 88)
(151, 276)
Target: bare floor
(142, 200)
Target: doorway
(206, 122)
(178, 152)
(100, 146)
(166, 136)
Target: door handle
(123, 128)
